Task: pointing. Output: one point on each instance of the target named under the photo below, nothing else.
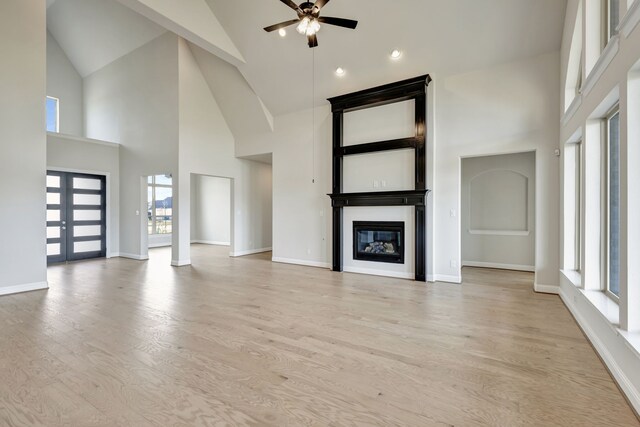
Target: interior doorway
(76, 216)
(498, 211)
(211, 207)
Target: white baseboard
(546, 289)
(384, 273)
(431, 278)
(447, 278)
(249, 252)
(159, 245)
(27, 287)
(211, 242)
(615, 344)
(180, 262)
(137, 257)
(499, 266)
(306, 263)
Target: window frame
(615, 110)
(57, 100)
(154, 223)
(609, 31)
(579, 195)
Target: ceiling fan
(309, 20)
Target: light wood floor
(248, 342)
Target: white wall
(74, 154)
(211, 210)
(64, 83)
(498, 211)
(134, 101)
(508, 108)
(207, 147)
(22, 145)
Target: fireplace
(379, 241)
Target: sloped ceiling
(94, 33)
(435, 36)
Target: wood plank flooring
(248, 342)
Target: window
(159, 204)
(613, 199)
(53, 116)
(613, 17)
(578, 206)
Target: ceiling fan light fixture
(339, 71)
(308, 26)
(282, 32)
(396, 54)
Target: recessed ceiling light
(282, 32)
(339, 71)
(396, 54)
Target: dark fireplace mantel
(415, 89)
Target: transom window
(160, 204)
(53, 115)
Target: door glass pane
(53, 181)
(86, 184)
(53, 249)
(53, 215)
(92, 246)
(53, 198)
(86, 230)
(53, 232)
(86, 199)
(82, 215)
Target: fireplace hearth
(379, 241)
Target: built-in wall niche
(383, 123)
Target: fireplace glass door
(379, 241)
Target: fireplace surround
(411, 89)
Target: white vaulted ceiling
(94, 33)
(435, 36)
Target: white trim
(603, 62)
(81, 139)
(446, 278)
(27, 287)
(303, 262)
(384, 273)
(611, 352)
(180, 262)
(211, 242)
(499, 266)
(546, 289)
(137, 257)
(572, 110)
(630, 20)
(249, 252)
(500, 232)
(159, 245)
(431, 278)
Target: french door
(76, 216)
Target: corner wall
(23, 145)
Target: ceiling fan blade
(280, 25)
(313, 41)
(293, 6)
(340, 22)
(319, 4)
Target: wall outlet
(384, 183)
(376, 183)
(452, 213)
(308, 251)
(137, 213)
(453, 264)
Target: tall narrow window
(53, 116)
(159, 204)
(613, 217)
(613, 17)
(578, 209)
